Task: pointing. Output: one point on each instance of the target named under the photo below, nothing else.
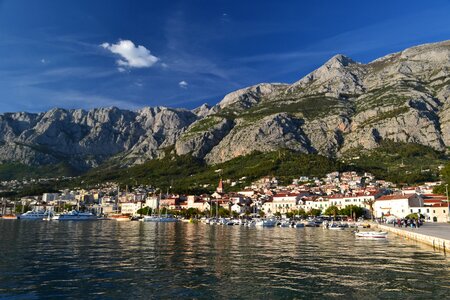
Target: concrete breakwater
(437, 236)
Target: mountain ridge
(341, 106)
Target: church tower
(220, 187)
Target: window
(428, 210)
(419, 210)
(434, 211)
(411, 211)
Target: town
(347, 194)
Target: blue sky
(131, 54)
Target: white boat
(251, 223)
(34, 215)
(266, 223)
(75, 216)
(309, 223)
(372, 234)
(297, 225)
(336, 227)
(160, 219)
(284, 223)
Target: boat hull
(371, 235)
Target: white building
(398, 206)
(130, 208)
(47, 197)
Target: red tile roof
(394, 197)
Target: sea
(136, 260)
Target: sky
(132, 54)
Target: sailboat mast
(117, 198)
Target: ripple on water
(146, 260)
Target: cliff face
(344, 105)
(87, 138)
(341, 106)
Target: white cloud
(132, 56)
(43, 60)
(183, 84)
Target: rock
(341, 106)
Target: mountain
(340, 108)
(85, 139)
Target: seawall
(438, 243)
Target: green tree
(145, 211)
(414, 216)
(352, 211)
(22, 208)
(290, 214)
(333, 210)
(315, 212)
(261, 214)
(300, 212)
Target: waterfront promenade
(436, 235)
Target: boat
(297, 225)
(159, 219)
(308, 223)
(75, 215)
(336, 227)
(284, 223)
(371, 234)
(9, 217)
(230, 222)
(120, 218)
(251, 223)
(34, 215)
(266, 223)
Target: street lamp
(448, 203)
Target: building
(398, 206)
(130, 208)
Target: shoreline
(439, 241)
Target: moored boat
(160, 219)
(34, 215)
(120, 218)
(266, 223)
(299, 225)
(371, 234)
(284, 223)
(9, 217)
(75, 216)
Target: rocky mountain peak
(202, 111)
(339, 61)
(341, 106)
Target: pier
(436, 235)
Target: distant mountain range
(340, 108)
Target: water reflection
(131, 259)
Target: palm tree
(370, 203)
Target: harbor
(436, 235)
(106, 259)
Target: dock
(436, 235)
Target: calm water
(109, 260)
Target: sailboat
(159, 218)
(118, 216)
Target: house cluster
(267, 196)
